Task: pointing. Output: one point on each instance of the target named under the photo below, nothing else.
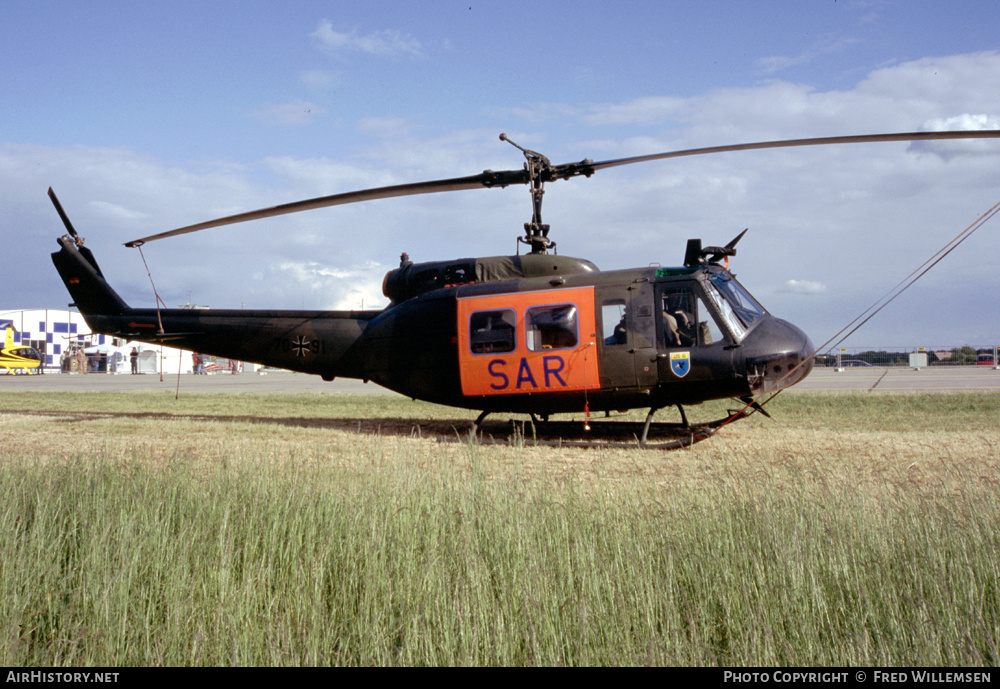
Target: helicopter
(536, 333)
(14, 357)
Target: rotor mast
(536, 233)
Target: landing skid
(645, 435)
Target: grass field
(136, 529)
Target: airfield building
(60, 334)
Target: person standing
(134, 358)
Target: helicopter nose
(777, 356)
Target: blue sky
(149, 116)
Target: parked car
(847, 363)
(986, 360)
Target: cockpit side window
(686, 321)
(678, 312)
(709, 331)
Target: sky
(147, 116)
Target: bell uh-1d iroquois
(536, 333)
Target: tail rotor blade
(65, 218)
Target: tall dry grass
(144, 531)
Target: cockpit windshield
(739, 309)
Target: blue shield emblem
(680, 363)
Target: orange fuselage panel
(530, 342)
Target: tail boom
(320, 342)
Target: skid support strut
(479, 422)
(645, 427)
(649, 420)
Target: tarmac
(902, 380)
(873, 379)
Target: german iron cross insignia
(301, 346)
(680, 363)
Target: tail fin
(86, 284)
(83, 277)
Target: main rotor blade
(788, 143)
(486, 179)
(490, 179)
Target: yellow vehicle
(15, 357)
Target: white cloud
(934, 85)
(314, 273)
(824, 46)
(385, 43)
(337, 288)
(949, 149)
(321, 176)
(120, 213)
(651, 110)
(804, 287)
